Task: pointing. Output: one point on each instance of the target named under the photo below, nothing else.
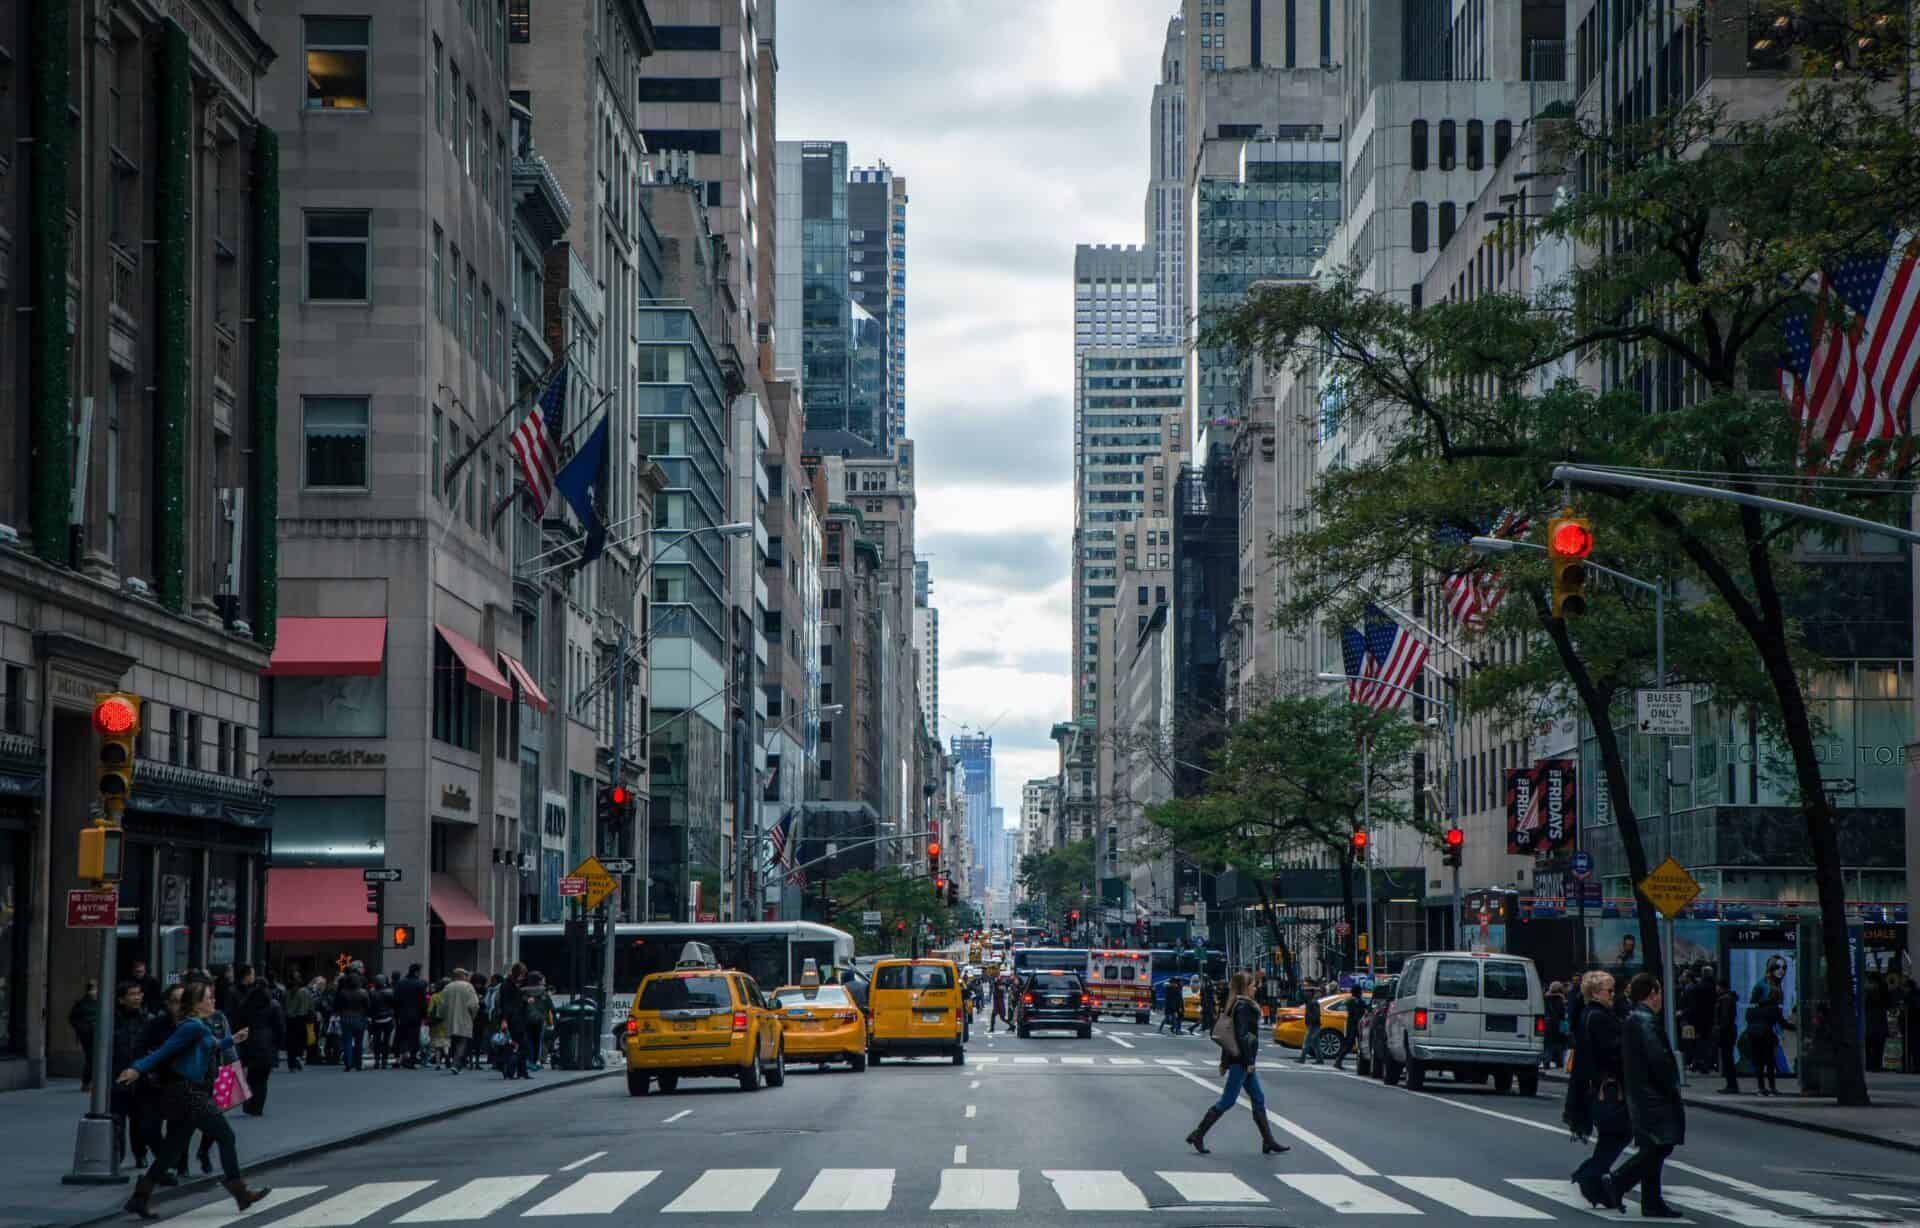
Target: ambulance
(1121, 983)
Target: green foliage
(1058, 879)
(897, 898)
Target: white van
(1471, 1014)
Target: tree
(1059, 879)
(1698, 238)
(898, 898)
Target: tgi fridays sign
(1541, 805)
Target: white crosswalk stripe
(1557, 1189)
(220, 1211)
(1468, 1198)
(596, 1194)
(352, 1206)
(848, 1189)
(1341, 1193)
(1095, 1190)
(1812, 1204)
(725, 1189)
(1212, 1187)
(978, 1189)
(1746, 1214)
(477, 1199)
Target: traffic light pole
(1366, 826)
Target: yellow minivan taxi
(915, 1004)
(702, 1021)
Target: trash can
(577, 1038)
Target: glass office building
(826, 315)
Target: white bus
(771, 952)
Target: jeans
(381, 1033)
(1309, 1045)
(457, 1052)
(536, 1036)
(179, 1136)
(353, 1039)
(1238, 1077)
(1643, 1170)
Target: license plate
(687, 1026)
(1055, 1001)
(1501, 1023)
(929, 1017)
(803, 1024)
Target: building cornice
(537, 193)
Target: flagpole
(541, 385)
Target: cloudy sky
(1021, 128)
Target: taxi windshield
(914, 976)
(821, 995)
(685, 993)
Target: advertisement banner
(1541, 806)
(1523, 811)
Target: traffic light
(1569, 542)
(1073, 918)
(116, 718)
(1452, 841)
(399, 936)
(933, 848)
(614, 805)
(1358, 842)
(376, 896)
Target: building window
(1502, 140)
(1419, 225)
(453, 288)
(1446, 147)
(433, 474)
(1476, 144)
(1417, 145)
(519, 21)
(452, 698)
(1446, 221)
(336, 442)
(453, 106)
(439, 304)
(339, 255)
(337, 63)
(176, 737)
(826, 693)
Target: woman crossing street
(1241, 1020)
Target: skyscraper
(826, 307)
(1167, 183)
(877, 281)
(974, 752)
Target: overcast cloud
(1021, 128)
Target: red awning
(530, 692)
(318, 905)
(480, 671)
(327, 647)
(457, 910)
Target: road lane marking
(1557, 1189)
(1076, 1061)
(848, 1189)
(960, 1154)
(676, 1117)
(1124, 1044)
(1696, 1198)
(978, 1189)
(1211, 1187)
(475, 1200)
(973, 1085)
(214, 1214)
(1814, 1203)
(1095, 1190)
(1325, 1148)
(352, 1206)
(986, 1059)
(1030, 1061)
(1469, 1199)
(582, 1162)
(1345, 1195)
(596, 1194)
(1126, 1061)
(725, 1189)
(970, 1110)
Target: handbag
(1223, 1035)
(230, 1088)
(178, 1099)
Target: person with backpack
(1238, 1035)
(539, 1016)
(1310, 1044)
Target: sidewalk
(1892, 1120)
(312, 1110)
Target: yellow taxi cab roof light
(697, 955)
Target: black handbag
(181, 1099)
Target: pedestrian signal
(1569, 542)
(399, 936)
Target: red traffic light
(1454, 837)
(619, 795)
(1571, 539)
(115, 715)
(1074, 916)
(933, 848)
(900, 927)
(1359, 841)
(939, 884)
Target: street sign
(617, 865)
(385, 874)
(93, 910)
(1581, 865)
(573, 886)
(870, 919)
(600, 884)
(1664, 714)
(1669, 888)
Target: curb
(1792, 1123)
(304, 1151)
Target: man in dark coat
(265, 1023)
(510, 1016)
(1311, 1043)
(1726, 1030)
(1653, 1101)
(409, 1011)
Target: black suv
(1053, 1000)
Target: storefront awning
(308, 905)
(530, 692)
(327, 647)
(456, 910)
(480, 670)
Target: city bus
(1120, 983)
(771, 952)
(1185, 964)
(1028, 960)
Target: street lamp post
(1501, 545)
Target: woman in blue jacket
(184, 1068)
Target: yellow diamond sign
(1669, 888)
(601, 884)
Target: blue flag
(583, 483)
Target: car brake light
(1539, 1025)
(1026, 999)
(739, 1021)
(1086, 1000)
(1420, 1019)
(633, 1025)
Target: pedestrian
(1170, 1014)
(484, 993)
(539, 1016)
(1208, 1008)
(380, 1022)
(1654, 1103)
(1356, 1010)
(1873, 1001)
(327, 1040)
(1597, 1088)
(1557, 1027)
(150, 994)
(299, 1036)
(185, 1066)
(223, 1034)
(1311, 1043)
(1701, 1007)
(1238, 1065)
(510, 1018)
(264, 1024)
(129, 1024)
(999, 1004)
(461, 1006)
(409, 1010)
(146, 1093)
(84, 1019)
(351, 1002)
(436, 1028)
(1726, 1030)
(1762, 1039)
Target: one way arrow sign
(617, 865)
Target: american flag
(1398, 657)
(777, 839)
(1473, 595)
(533, 442)
(1359, 667)
(1851, 376)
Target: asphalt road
(1050, 1130)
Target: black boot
(242, 1196)
(1199, 1136)
(142, 1195)
(1267, 1145)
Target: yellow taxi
(1290, 1024)
(702, 1021)
(821, 1023)
(915, 1004)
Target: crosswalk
(629, 1192)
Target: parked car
(1370, 1047)
(1471, 1014)
(1290, 1025)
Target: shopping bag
(1223, 1035)
(230, 1088)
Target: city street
(1050, 1130)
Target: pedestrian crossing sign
(600, 884)
(1669, 888)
